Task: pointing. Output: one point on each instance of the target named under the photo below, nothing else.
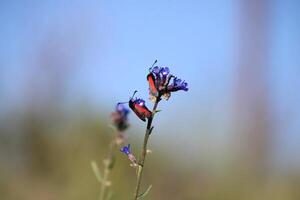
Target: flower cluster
(162, 83)
(119, 117)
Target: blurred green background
(233, 135)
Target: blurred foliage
(52, 155)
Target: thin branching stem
(104, 183)
(108, 166)
(142, 157)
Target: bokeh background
(234, 135)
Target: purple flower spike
(126, 150)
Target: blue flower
(161, 74)
(164, 71)
(160, 77)
(126, 150)
(155, 70)
(120, 117)
(177, 84)
(159, 80)
(122, 109)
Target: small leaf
(155, 111)
(96, 171)
(145, 193)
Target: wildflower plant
(119, 119)
(161, 84)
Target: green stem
(108, 166)
(104, 183)
(144, 151)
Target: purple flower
(161, 75)
(177, 84)
(159, 80)
(122, 109)
(126, 150)
(164, 71)
(155, 70)
(120, 117)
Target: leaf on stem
(96, 171)
(145, 193)
(157, 111)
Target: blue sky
(111, 44)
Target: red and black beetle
(139, 108)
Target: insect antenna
(122, 102)
(129, 97)
(133, 94)
(153, 65)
